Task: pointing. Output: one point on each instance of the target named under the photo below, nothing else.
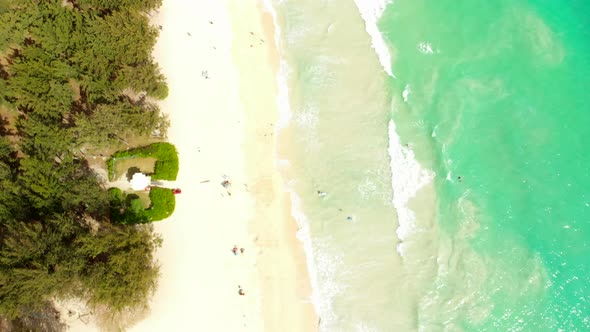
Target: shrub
(163, 203)
(136, 206)
(128, 208)
(159, 91)
(166, 167)
(115, 196)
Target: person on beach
(235, 250)
(241, 291)
(242, 250)
(227, 185)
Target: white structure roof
(140, 181)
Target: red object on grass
(176, 191)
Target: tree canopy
(73, 74)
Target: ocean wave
(406, 93)
(283, 74)
(307, 118)
(371, 11)
(322, 267)
(320, 297)
(285, 113)
(408, 177)
(425, 48)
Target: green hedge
(166, 167)
(163, 203)
(128, 210)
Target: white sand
(198, 290)
(222, 127)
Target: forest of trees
(74, 74)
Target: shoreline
(221, 63)
(286, 289)
(221, 130)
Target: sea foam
(371, 11)
(283, 74)
(322, 265)
(407, 178)
(406, 93)
(320, 297)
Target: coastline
(221, 130)
(282, 268)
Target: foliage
(123, 272)
(125, 208)
(166, 167)
(109, 122)
(128, 208)
(109, 5)
(64, 67)
(163, 203)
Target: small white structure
(140, 181)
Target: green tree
(121, 271)
(112, 5)
(125, 37)
(122, 119)
(64, 67)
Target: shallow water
(497, 98)
(470, 211)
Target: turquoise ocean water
(451, 139)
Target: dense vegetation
(166, 167)
(163, 203)
(128, 208)
(74, 74)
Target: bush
(163, 203)
(115, 197)
(166, 167)
(128, 208)
(125, 208)
(159, 91)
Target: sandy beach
(221, 63)
(211, 52)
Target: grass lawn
(145, 165)
(166, 165)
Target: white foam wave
(425, 48)
(283, 74)
(322, 267)
(283, 97)
(320, 297)
(308, 117)
(408, 177)
(364, 327)
(367, 189)
(371, 11)
(406, 92)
